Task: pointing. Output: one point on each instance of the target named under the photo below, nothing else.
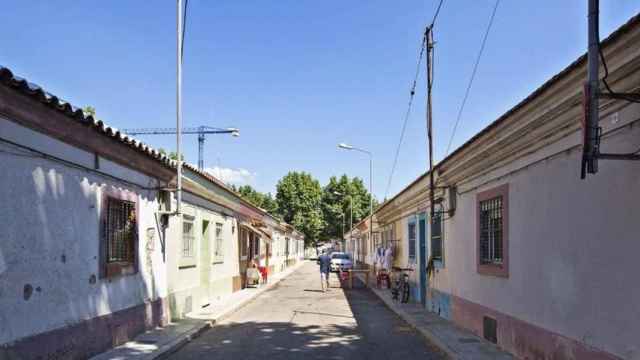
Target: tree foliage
(171, 155)
(261, 200)
(299, 199)
(336, 204)
(90, 111)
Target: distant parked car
(341, 262)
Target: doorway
(205, 264)
(422, 258)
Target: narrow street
(296, 320)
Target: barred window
(436, 235)
(219, 250)
(491, 231)
(119, 231)
(412, 240)
(188, 237)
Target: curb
(181, 340)
(261, 290)
(173, 346)
(184, 339)
(428, 335)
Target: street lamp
(353, 148)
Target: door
(422, 257)
(205, 264)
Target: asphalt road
(296, 320)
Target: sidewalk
(456, 342)
(154, 344)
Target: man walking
(325, 266)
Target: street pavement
(296, 320)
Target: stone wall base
(90, 337)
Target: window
(388, 235)
(188, 237)
(492, 231)
(412, 240)
(286, 247)
(119, 229)
(218, 254)
(436, 235)
(257, 245)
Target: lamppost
(351, 216)
(350, 147)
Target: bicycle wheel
(395, 291)
(405, 292)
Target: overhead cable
(473, 75)
(406, 117)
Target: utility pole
(428, 43)
(592, 90)
(370, 201)
(179, 108)
(592, 94)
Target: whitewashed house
(524, 252)
(90, 252)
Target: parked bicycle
(401, 289)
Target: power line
(473, 75)
(435, 16)
(410, 104)
(406, 117)
(184, 27)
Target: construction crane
(201, 131)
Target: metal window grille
(436, 236)
(120, 230)
(219, 240)
(491, 236)
(188, 237)
(412, 240)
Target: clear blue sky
(297, 77)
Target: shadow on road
(276, 340)
(296, 322)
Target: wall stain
(27, 292)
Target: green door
(205, 264)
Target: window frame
(188, 261)
(494, 269)
(439, 215)
(218, 243)
(412, 248)
(110, 270)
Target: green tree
(90, 111)
(299, 200)
(336, 201)
(171, 155)
(261, 200)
